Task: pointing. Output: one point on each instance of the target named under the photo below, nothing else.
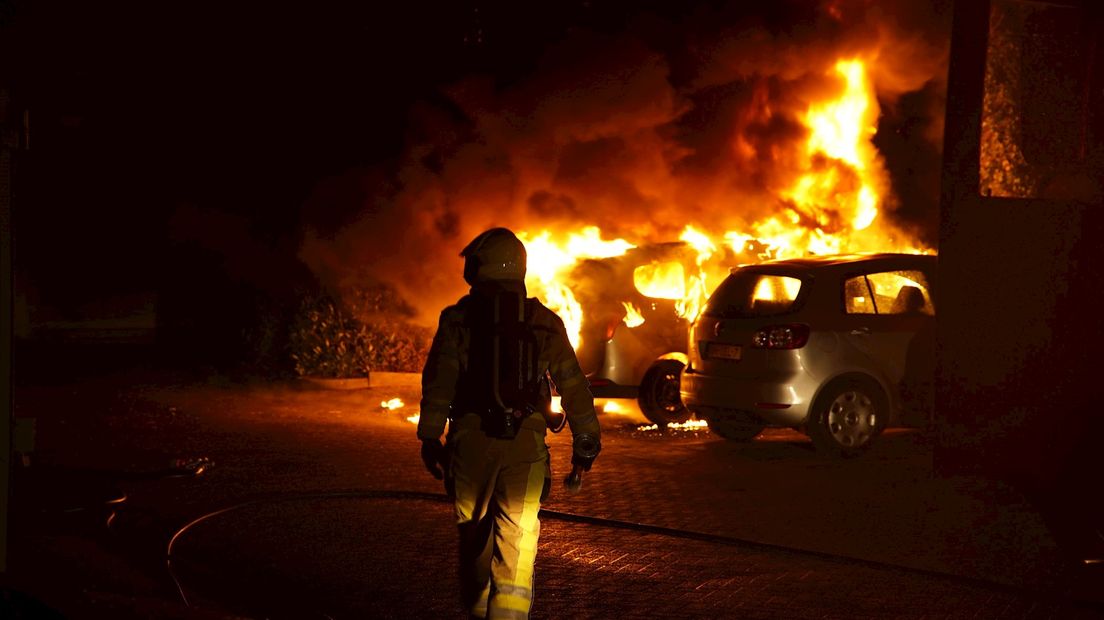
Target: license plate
(717, 350)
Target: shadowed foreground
(331, 515)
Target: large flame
(842, 129)
(697, 286)
(839, 190)
(550, 261)
(831, 205)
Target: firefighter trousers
(498, 485)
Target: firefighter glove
(433, 455)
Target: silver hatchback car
(839, 347)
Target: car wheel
(659, 396)
(735, 425)
(847, 417)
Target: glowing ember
(394, 403)
(633, 317)
(414, 418)
(689, 425)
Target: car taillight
(790, 336)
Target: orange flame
(549, 262)
(697, 288)
(661, 280)
(633, 317)
(843, 172)
(612, 406)
(831, 206)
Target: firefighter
(495, 462)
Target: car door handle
(862, 331)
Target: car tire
(735, 425)
(847, 416)
(659, 397)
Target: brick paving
(381, 557)
(876, 537)
(392, 558)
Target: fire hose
(569, 517)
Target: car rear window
(749, 295)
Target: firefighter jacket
(448, 361)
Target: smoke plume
(640, 133)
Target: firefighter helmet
(496, 254)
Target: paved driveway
(317, 506)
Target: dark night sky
(213, 123)
(138, 108)
(240, 108)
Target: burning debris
(392, 404)
(689, 425)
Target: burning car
(636, 312)
(627, 303)
(839, 347)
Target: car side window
(889, 292)
(857, 297)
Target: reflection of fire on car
(636, 313)
(839, 347)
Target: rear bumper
(706, 393)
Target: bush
(366, 328)
(326, 341)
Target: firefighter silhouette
(487, 377)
